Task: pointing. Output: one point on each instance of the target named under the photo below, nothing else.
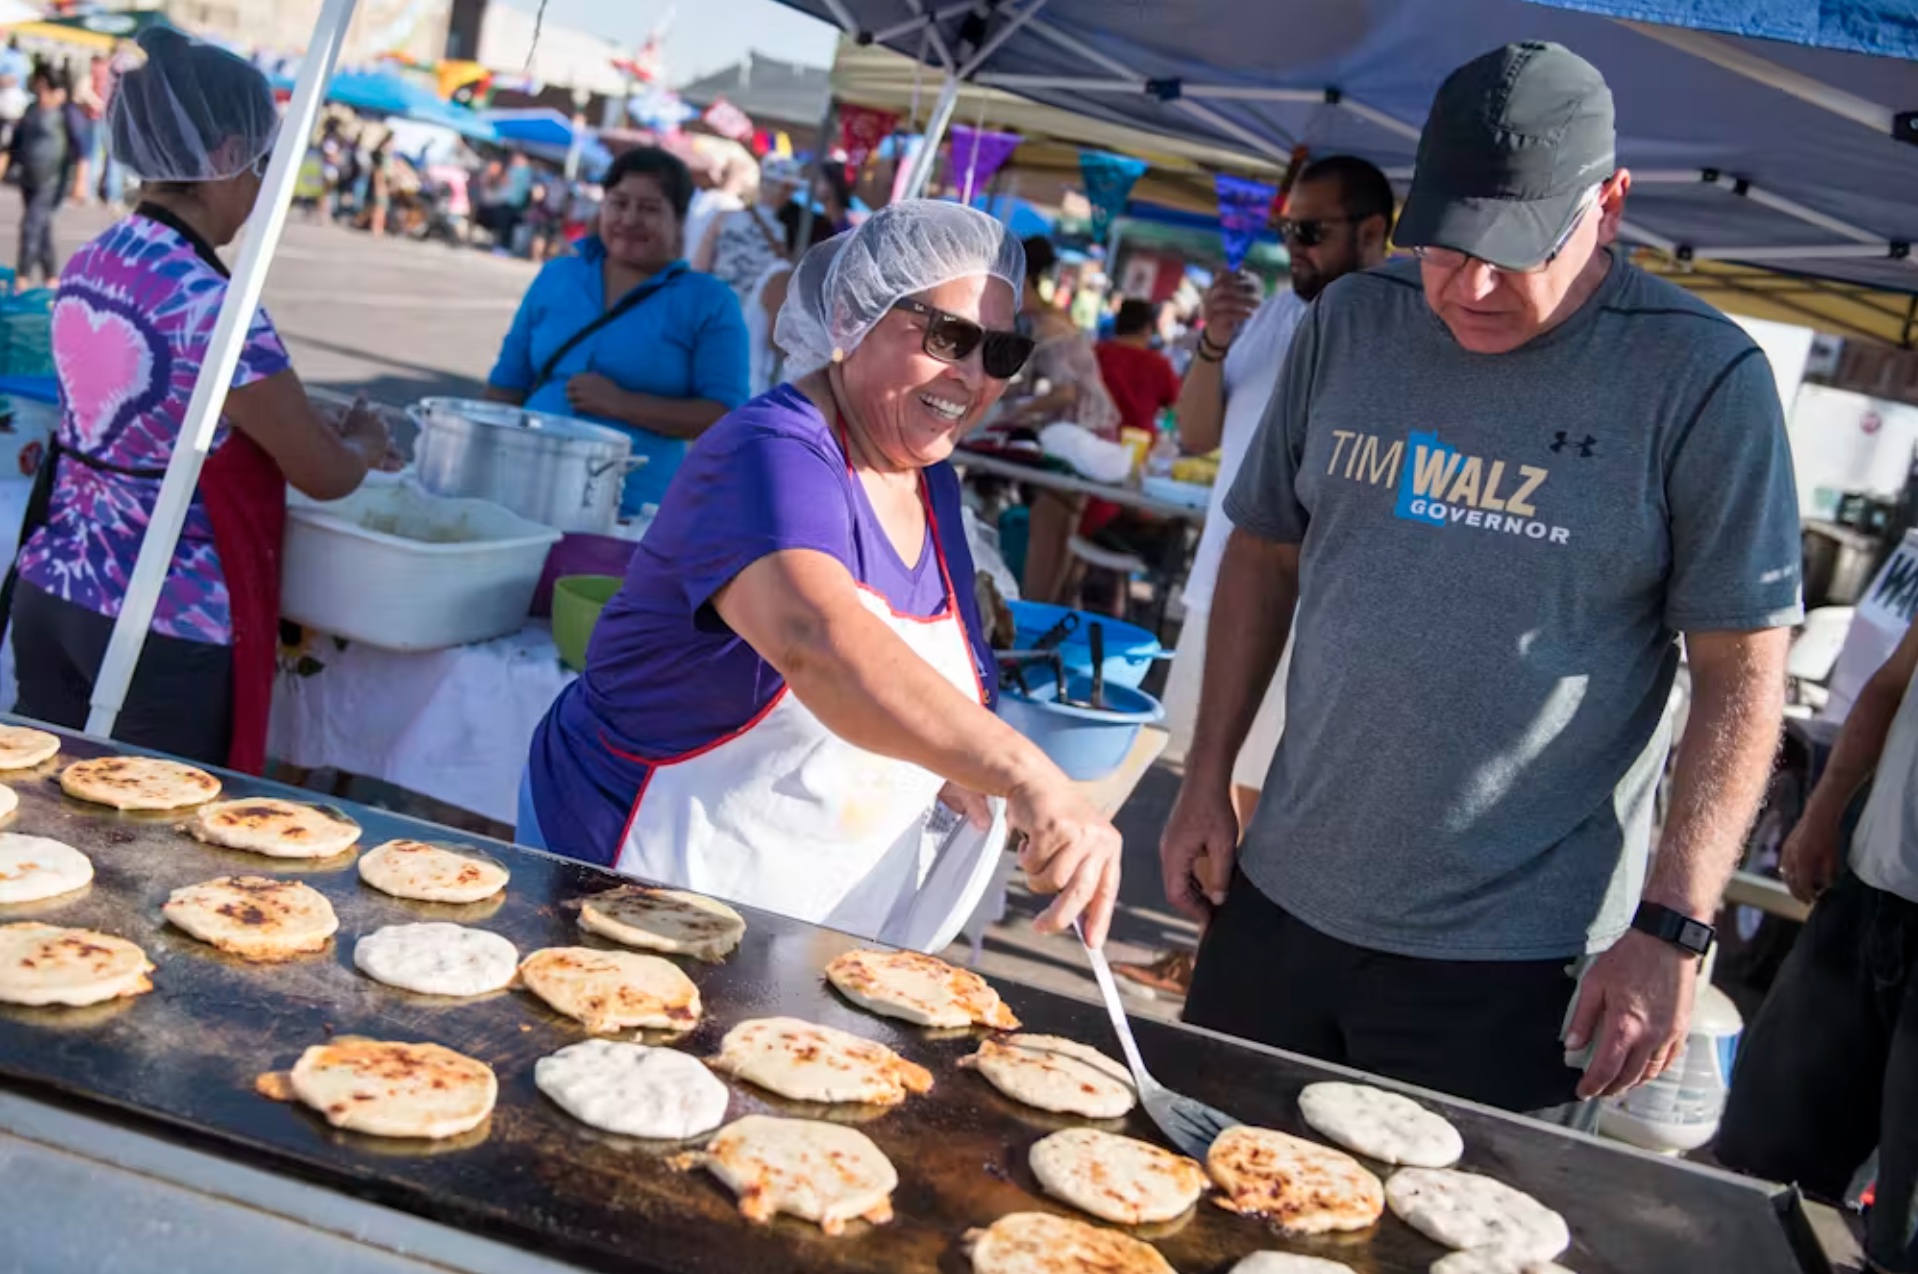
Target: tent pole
(827, 123)
(920, 174)
(216, 371)
(1738, 61)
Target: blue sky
(706, 34)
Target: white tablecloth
(450, 724)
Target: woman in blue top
(624, 334)
(794, 671)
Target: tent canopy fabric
(1746, 150)
(875, 76)
(1888, 28)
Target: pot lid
(493, 415)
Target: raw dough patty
(1466, 1211)
(437, 959)
(1381, 1125)
(634, 1090)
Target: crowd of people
(1420, 699)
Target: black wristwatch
(1693, 937)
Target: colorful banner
(1244, 206)
(976, 156)
(728, 121)
(1109, 180)
(861, 129)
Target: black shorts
(181, 699)
(1829, 1068)
(1483, 1030)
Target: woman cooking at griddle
(795, 671)
(132, 320)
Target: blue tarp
(1888, 28)
(380, 92)
(1022, 218)
(1677, 112)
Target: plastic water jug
(1680, 1110)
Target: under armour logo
(1560, 441)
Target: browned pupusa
(612, 990)
(1300, 1186)
(919, 988)
(254, 917)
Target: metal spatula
(1190, 1125)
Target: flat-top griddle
(183, 1059)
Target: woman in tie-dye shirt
(132, 322)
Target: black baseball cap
(1514, 143)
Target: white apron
(786, 816)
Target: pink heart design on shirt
(106, 363)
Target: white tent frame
(1121, 80)
(216, 371)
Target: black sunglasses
(951, 339)
(1310, 234)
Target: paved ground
(397, 320)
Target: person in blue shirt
(624, 334)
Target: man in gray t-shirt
(1498, 482)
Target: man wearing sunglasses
(1495, 486)
(1339, 220)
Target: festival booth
(154, 1111)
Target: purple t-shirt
(131, 323)
(664, 675)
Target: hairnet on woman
(131, 323)
(794, 671)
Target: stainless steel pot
(564, 472)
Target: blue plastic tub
(1086, 743)
(1130, 649)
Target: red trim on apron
(703, 748)
(244, 494)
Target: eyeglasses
(1310, 234)
(951, 339)
(1450, 259)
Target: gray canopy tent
(1784, 134)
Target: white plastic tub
(395, 567)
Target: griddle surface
(187, 1054)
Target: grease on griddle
(275, 1086)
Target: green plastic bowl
(577, 602)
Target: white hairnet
(191, 112)
(848, 283)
